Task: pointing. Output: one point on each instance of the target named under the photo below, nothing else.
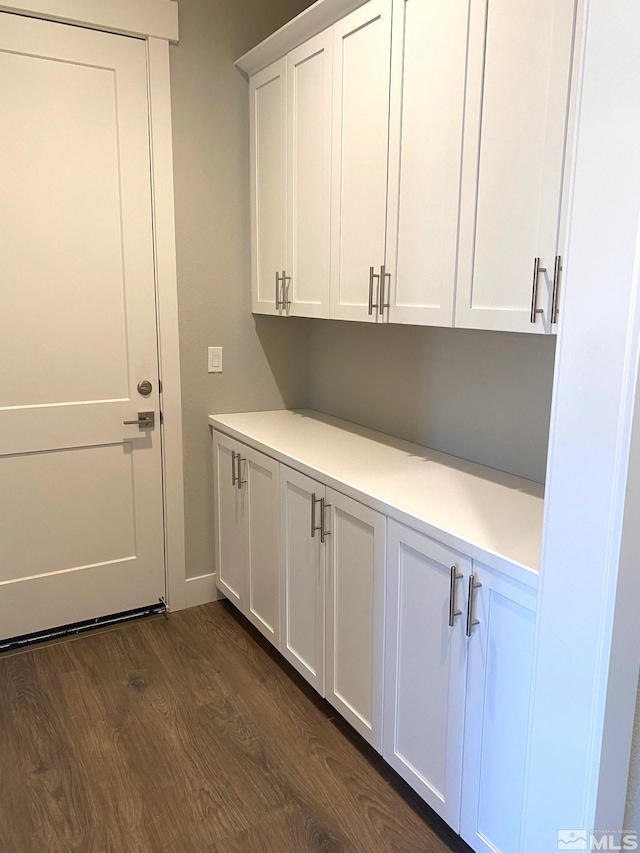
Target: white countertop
(498, 516)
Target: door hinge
(161, 418)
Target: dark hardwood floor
(189, 734)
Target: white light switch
(215, 360)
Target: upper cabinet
(362, 58)
(408, 163)
(517, 108)
(425, 131)
(268, 132)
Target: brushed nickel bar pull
(455, 577)
(286, 283)
(234, 478)
(537, 269)
(372, 275)
(384, 275)
(471, 622)
(323, 533)
(315, 527)
(240, 481)
(278, 300)
(556, 289)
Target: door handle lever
(145, 420)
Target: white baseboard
(202, 590)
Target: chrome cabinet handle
(455, 577)
(323, 533)
(145, 420)
(239, 481)
(234, 477)
(286, 283)
(556, 289)
(314, 526)
(471, 621)
(537, 269)
(372, 275)
(384, 275)
(278, 300)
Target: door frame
(155, 21)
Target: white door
(230, 512)
(355, 614)
(260, 474)
(81, 531)
(309, 76)
(361, 70)
(425, 667)
(515, 134)
(303, 578)
(268, 135)
(425, 159)
(498, 690)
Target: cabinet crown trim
(304, 26)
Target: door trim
(157, 22)
(144, 18)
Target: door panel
(515, 137)
(230, 525)
(499, 687)
(362, 55)
(262, 604)
(77, 328)
(302, 589)
(425, 668)
(427, 109)
(355, 614)
(309, 77)
(268, 129)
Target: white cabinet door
(425, 668)
(355, 614)
(425, 158)
(500, 658)
(361, 69)
(309, 78)
(262, 602)
(303, 575)
(516, 122)
(230, 507)
(268, 131)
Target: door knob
(145, 387)
(145, 420)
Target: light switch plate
(214, 359)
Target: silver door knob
(145, 387)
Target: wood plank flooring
(189, 735)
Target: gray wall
(265, 360)
(484, 396)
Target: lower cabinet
(425, 667)
(500, 660)
(426, 653)
(246, 525)
(458, 659)
(332, 597)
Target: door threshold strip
(13, 643)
